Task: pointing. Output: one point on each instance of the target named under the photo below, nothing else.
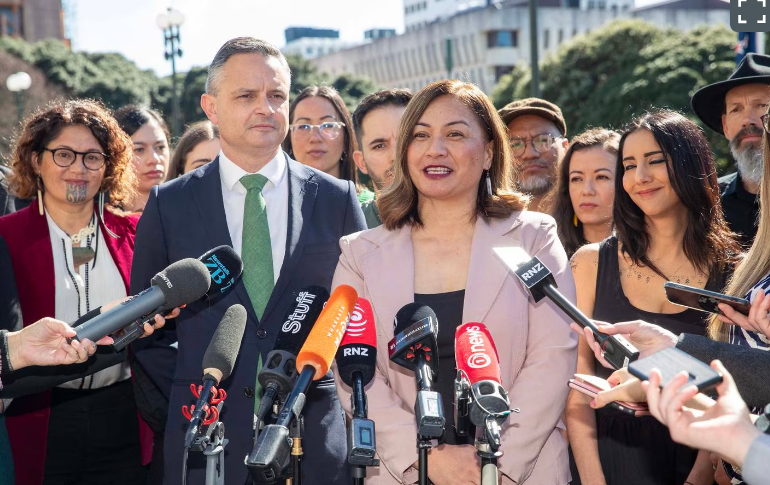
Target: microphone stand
(295, 432)
(487, 448)
(361, 441)
(429, 412)
(212, 443)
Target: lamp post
(17, 83)
(169, 23)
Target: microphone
(218, 363)
(413, 347)
(180, 283)
(480, 394)
(224, 267)
(279, 371)
(539, 282)
(271, 452)
(356, 362)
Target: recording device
(356, 363)
(218, 363)
(279, 371)
(539, 282)
(478, 390)
(224, 267)
(180, 283)
(703, 300)
(413, 347)
(270, 455)
(672, 361)
(592, 385)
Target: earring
(489, 183)
(100, 203)
(575, 220)
(40, 207)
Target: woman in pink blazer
(451, 202)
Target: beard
(750, 158)
(538, 184)
(381, 183)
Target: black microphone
(180, 283)
(224, 266)
(356, 363)
(414, 347)
(539, 282)
(218, 363)
(279, 371)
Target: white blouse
(93, 284)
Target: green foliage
(507, 89)
(606, 77)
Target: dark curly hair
(46, 124)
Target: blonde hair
(398, 203)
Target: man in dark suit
(285, 220)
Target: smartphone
(703, 300)
(592, 385)
(672, 361)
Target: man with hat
(733, 108)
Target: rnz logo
(533, 271)
(355, 351)
(357, 324)
(478, 358)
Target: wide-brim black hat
(708, 103)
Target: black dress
(449, 313)
(638, 450)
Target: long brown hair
(347, 166)
(192, 136)
(41, 128)
(708, 243)
(398, 203)
(571, 235)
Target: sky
(129, 27)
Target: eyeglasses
(766, 122)
(541, 143)
(329, 129)
(64, 157)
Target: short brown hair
(41, 128)
(193, 135)
(398, 203)
(347, 167)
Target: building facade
(32, 20)
(310, 42)
(482, 44)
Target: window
(561, 37)
(546, 39)
(591, 4)
(502, 38)
(501, 71)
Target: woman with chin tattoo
(71, 252)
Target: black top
(740, 207)
(449, 313)
(612, 305)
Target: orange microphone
(270, 456)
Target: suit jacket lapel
(486, 274)
(302, 194)
(120, 248)
(206, 188)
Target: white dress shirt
(276, 195)
(104, 285)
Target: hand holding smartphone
(703, 300)
(672, 361)
(592, 385)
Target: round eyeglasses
(65, 157)
(541, 143)
(766, 122)
(329, 129)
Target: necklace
(85, 232)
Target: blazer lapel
(389, 275)
(121, 251)
(486, 274)
(206, 188)
(37, 285)
(302, 194)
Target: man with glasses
(733, 108)
(538, 137)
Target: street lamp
(17, 83)
(169, 23)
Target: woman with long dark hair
(585, 190)
(669, 226)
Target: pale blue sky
(129, 27)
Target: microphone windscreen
(410, 314)
(183, 282)
(358, 350)
(300, 317)
(327, 332)
(226, 342)
(476, 354)
(224, 266)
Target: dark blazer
(7, 201)
(185, 218)
(29, 244)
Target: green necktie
(257, 254)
